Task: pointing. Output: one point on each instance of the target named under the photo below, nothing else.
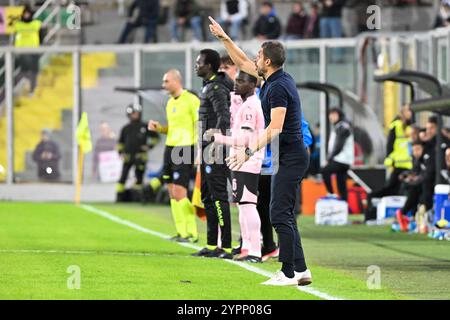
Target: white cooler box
(331, 212)
(388, 205)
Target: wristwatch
(249, 152)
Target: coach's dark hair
(212, 57)
(267, 4)
(274, 51)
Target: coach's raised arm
(241, 60)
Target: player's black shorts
(178, 165)
(244, 186)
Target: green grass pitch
(39, 243)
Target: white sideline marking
(259, 271)
(91, 252)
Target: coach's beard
(261, 72)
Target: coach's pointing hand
(217, 30)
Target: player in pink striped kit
(248, 122)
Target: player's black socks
(288, 269)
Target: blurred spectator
(186, 13)
(106, 142)
(142, 13)
(415, 133)
(227, 65)
(351, 17)
(297, 22)
(47, 156)
(28, 35)
(268, 26)
(232, 13)
(417, 183)
(428, 137)
(340, 152)
(398, 144)
(313, 25)
(398, 159)
(330, 20)
(27, 30)
(443, 19)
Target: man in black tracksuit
(418, 183)
(134, 142)
(214, 113)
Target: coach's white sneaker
(279, 279)
(303, 278)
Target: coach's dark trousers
(292, 167)
(263, 207)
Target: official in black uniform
(214, 113)
(134, 142)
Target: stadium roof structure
(439, 105)
(326, 88)
(415, 79)
(368, 130)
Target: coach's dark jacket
(214, 112)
